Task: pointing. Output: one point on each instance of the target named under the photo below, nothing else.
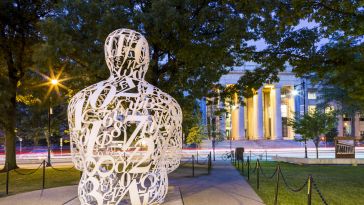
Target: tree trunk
(10, 138)
(306, 148)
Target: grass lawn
(23, 183)
(338, 184)
(55, 178)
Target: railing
(247, 170)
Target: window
(311, 108)
(311, 95)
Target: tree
(195, 135)
(344, 103)
(329, 50)
(311, 125)
(18, 35)
(192, 43)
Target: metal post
(7, 178)
(44, 165)
(210, 160)
(213, 148)
(277, 186)
(309, 190)
(266, 157)
(242, 166)
(49, 134)
(208, 163)
(248, 161)
(257, 165)
(193, 165)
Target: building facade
(266, 114)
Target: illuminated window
(311, 108)
(311, 95)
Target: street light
(295, 92)
(54, 82)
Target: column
(258, 118)
(250, 116)
(357, 125)
(291, 114)
(222, 121)
(277, 113)
(235, 122)
(340, 131)
(241, 123)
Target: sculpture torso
(125, 137)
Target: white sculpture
(125, 133)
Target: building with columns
(266, 114)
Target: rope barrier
(31, 172)
(289, 187)
(268, 177)
(318, 192)
(64, 170)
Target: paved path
(224, 186)
(67, 196)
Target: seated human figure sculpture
(126, 134)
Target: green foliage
(345, 104)
(195, 135)
(311, 125)
(329, 50)
(330, 135)
(192, 43)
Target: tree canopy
(328, 48)
(313, 124)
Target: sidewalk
(67, 195)
(224, 186)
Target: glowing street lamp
(53, 82)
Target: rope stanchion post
(193, 165)
(7, 178)
(309, 190)
(248, 161)
(210, 161)
(277, 185)
(266, 155)
(209, 164)
(242, 166)
(257, 166)
(43, 182)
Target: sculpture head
(127, 54)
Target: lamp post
(303, 86)
(53, 82)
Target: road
(36, 158)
